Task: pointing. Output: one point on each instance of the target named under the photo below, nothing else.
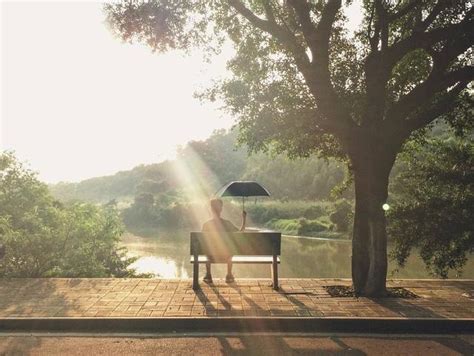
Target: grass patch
(286, 226)
(301, 227)
(264, 212)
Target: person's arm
(205, 226)
(244, 219)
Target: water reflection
(159, 267)
(166, 254)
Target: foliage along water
(165, 253)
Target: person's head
(216, 206)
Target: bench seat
(259, 247)
(242, 259)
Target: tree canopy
(299, 73)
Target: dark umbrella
(243, 189)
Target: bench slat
(242, 259)
(236, 243)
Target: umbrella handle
(243, 204)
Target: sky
(78, 103)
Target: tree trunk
(369, 244)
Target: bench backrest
(236, 243)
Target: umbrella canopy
(243, 189)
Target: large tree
(304, 84)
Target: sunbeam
(198, 182)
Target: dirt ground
(234, 344)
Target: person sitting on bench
(219, 228)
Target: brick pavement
(107, 297)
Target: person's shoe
(207, 278)
(229, 278)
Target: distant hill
(124, 184)
(207, 165)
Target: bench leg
(275, 272)
(196, 272)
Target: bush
(314, 212)
(43, 238)
(266, 211)
(286, 226)
(311, 227)
(301, 227)
(342, 216)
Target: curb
(235, 324)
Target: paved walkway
(87, 297)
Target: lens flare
(385, 207)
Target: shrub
(43, 238)
(314, 212)
(342, 216)
(301, 227)
(266, 211)
(311, 227)
(286, 226)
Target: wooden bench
(244, 247)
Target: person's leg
(208, 276)
(229, 278)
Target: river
(166, 254)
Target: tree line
(216, 161)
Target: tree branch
(380, 63)
(286, 38)
(302, 10)
(438, 79)
(382, 22)
(436, 82)
(317, 37)
(268, 11)
(372, 39)
(444, 104)
(336, 119)
(440, 6)
(376, 72)
(411, 5)
(262, 24)
(328, 17)
(427, 39)
(452, 50)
